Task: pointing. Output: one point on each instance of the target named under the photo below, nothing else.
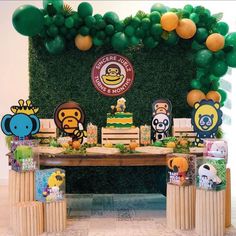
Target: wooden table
(137, 159)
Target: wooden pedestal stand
(180, 207)
(210, 212)
(55, 216)
(228, 199)
(21, 188)
(27, 219)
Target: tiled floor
(111, 215)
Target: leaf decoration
(218, 16)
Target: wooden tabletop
(136, 159)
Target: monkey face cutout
(68, 117)
(113, 75)
(162, 106)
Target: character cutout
(206, 119)
(23, 123)
(178, 167)
(161, 119)
(69, 118)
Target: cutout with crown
(23, 123)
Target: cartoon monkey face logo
(162, 106)
(68, 117)
(113, 75)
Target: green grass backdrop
(163, 72)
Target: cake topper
(120, 105)
(23, 123)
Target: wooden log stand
(180, 207)
(210, 212)
(55, 216)
(228, 199)
(27, 218)
(21, 188)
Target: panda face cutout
(161, 123)
(205, 121)
(208, 172)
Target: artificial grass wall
(163, 72)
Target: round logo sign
(112, 75)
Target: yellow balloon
(169, 21)
(186, 29)
(194, 96)
(215, 42)
(213, 95)
(83, 43)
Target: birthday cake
(118, 118)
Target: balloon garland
(213, 47)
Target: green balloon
(203, 58)
(78, 21)
(55, 46)
(51, 10)
(97, 17)
(215, 85)
(28, 20)
(149, 42)
(231, 58)
(100, 24)
(101, 35)
(97, 42)
(197, 46)
(230, 39)
(223, 95)
(195, 84)
(156, 30)
(119, 26)
(48, 20)
(58, 20)
(134, 41)
(201, 35)
(119, 41)
(220, 54)
(159, 7)
(140, 33)
(219, 68)
(90, 21)
(188, 8)
(185, 14)
(85, 9)
(135, 22)
(172, 39)
(222, 28)
(57, 4)
(129, 30)
(109, 30)
(213, 78)
(52, 31)
(194, 17)
(155, 17)
(84, 30)
(145, 23)
(63, 30)
(111, 17)
(69, 22)
(73, 32)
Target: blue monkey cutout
(23, 122)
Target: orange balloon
(83, 43)
(194, 96)
(215, 42)
(213, 95)
(186, 29)
(169, 21)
